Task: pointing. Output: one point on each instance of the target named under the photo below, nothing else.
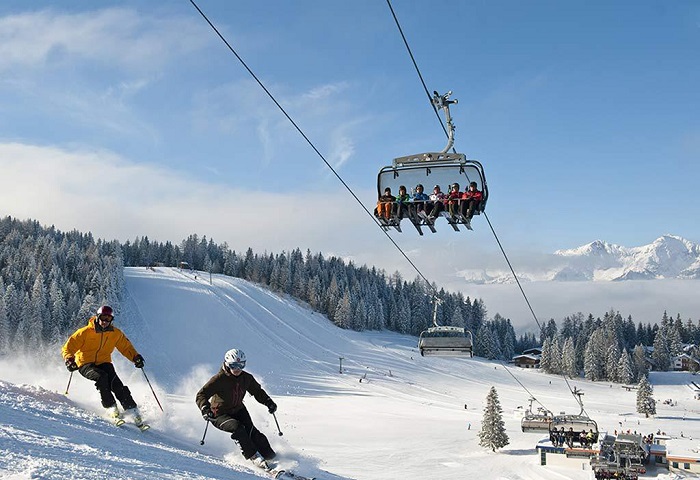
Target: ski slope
(390, 414)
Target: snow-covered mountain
(669, 256)
(390, 415)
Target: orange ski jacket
(93, 344)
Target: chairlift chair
(430, 169)
(445, 341)
(536, 422)
(576, 422)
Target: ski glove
(271, 406)
(207, 414)
(71, 365)
(138, 361)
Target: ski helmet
(105, 310)
(234, 359)
(419, 186)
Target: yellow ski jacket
(93, 344)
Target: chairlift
(432, 169)
(445, 340)
(575, 423)
(536, 422)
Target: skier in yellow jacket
(89, 351)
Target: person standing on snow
(89, 351)
(221, 402)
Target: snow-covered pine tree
(546, 357)
(662, 353)
(493, 431)
(645, 398)
(612, 361)
(569, 358)
(594, 358)
(556, 356)
(625, 372)
(639, 361)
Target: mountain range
(669, 256)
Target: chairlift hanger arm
(443, 102)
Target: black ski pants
(108, 384)
(250, 439)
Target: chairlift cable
(415, 65)
(311, 144)
(493, 231)
(420, 76)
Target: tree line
(51, 282)
(614, 349)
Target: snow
(409, 417)
(669, 256)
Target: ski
(280, 473)
(118, 422)
(452, 222)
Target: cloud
(231, 109)
(114, 37)
(101, 192)
(644, 300)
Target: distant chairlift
(445, 341)
(536, 422)
(430, 169)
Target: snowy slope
(409, 417)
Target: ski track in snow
(391, 414)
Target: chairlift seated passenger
(433, 168)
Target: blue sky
(132, 118)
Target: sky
(134, 119)
(409, 417)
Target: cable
(493, 231)
(410, 53)
(428, 284)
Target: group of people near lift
(460, 206)
(605, 475)
(583, 438)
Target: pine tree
(546, 357)
(662, 352)
(594, 358)
(639, 362)
(343, 312)
(4, 324)
(556, 357)
(493, 431)
(612, 362)
(625, 372)
(645, 398)
(569, 358)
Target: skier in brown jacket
(221, 402)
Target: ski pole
(201, 442)
(154, 393)
(68, 386)
(278, 425)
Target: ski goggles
(235, 365)
(105, 318)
